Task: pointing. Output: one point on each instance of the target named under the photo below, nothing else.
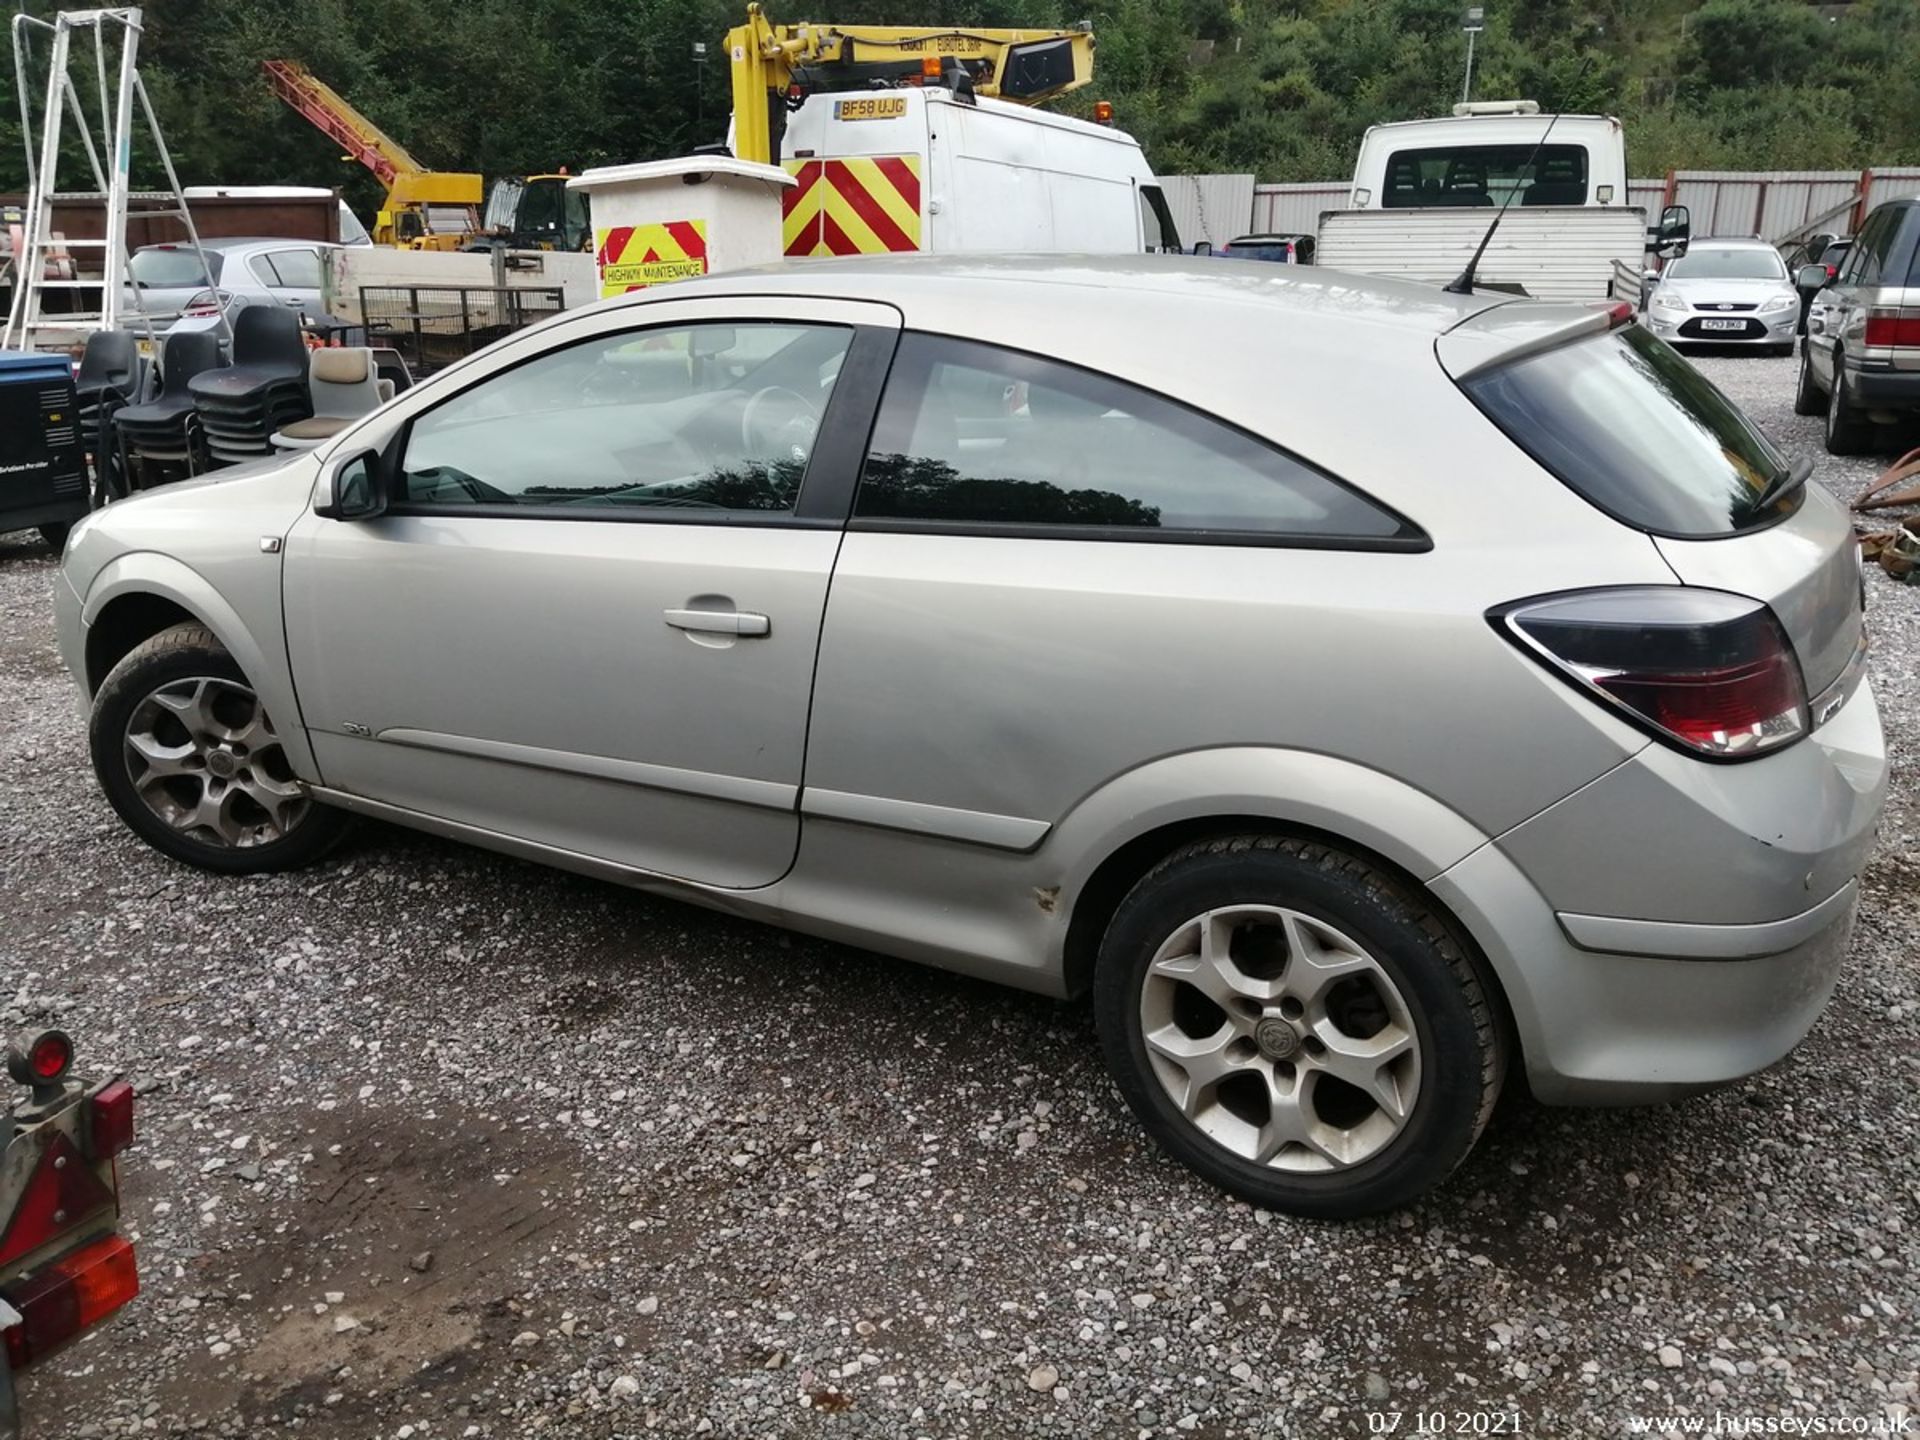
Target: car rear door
(293, 275)
(589, 620)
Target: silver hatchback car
(1361, 690)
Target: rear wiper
(1783, 485)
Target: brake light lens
(110, 1119)
(1892, 327)
(69, 1297)
(1708, 672)
(50, 1056)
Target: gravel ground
(434, 1143)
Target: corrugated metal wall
(1774, 204)
(1295, 209)
(1209, 207)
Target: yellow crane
(419, 200)
(775, 66)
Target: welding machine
(42, 462)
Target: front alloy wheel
(190, 759)
(202, 756)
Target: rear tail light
(110, 1120)
(1708, 672)
(70, 1297)
(1892, 327)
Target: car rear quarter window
(1628, 423)
(171, 267)
(972, 435)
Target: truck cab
(1477, 157)
(933, 169)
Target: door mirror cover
(1811, 278)
(354, 488)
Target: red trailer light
(69, 1297)
(110, 1119)
(62, 1195)
(43, 1060)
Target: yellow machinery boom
(411, 188)
(768, 60)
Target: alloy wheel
(204, 758)
(1280, 1038)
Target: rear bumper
(1885, 389)
(1699, 914)
(1610, 1028)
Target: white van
(1424, 192)
(922, 169)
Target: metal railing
(434, 325)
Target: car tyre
(1782, 352)
(1315, 963)
(189, 758)
(1848, 431)
(55, 536)
(1808, 397)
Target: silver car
(1727, 292)
(172, 283)
(1465, 687)
(1861, 363)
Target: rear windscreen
(170, 269)
(1486, 175)
(1628, 423)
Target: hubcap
(1280, 1038)
(204, 758)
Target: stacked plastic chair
(344, 386)
(158, 440)
(264, 390)
(112, 376)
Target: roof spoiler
(1502, 334)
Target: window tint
(972, 434)
(698, 417)
(1870, 249)
(262, 268)
(1485, 175)
(298, 269)
(1628, 423)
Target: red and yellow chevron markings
(864, 205)
(632, 257)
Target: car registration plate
(1723, 325)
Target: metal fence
(434, 325)
(1777, 205)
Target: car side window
(298, 269)
(1863, 261)
(689, 418)
(971, 434)
(263, 271)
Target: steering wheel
(778, 423)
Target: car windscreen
(1743, 262)
(1486, 175)
(167, 267)
(1629, 424)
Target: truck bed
(1550, 252)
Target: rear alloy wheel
(190, 759)
(1808, 397)
(1296, 1027)
(1848, 431)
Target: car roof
(1017, 289)
(238, 242)
(1735, 242)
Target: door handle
(720, 622)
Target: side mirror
(1203, 247)
(1676, 227)
(353, 488)
(1811, 278)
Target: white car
(1727, 292)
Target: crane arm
(1021, 66)
(329, 112)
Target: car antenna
(1462, 283)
